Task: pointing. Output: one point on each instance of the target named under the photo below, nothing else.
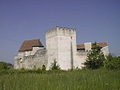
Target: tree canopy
(112, 62)
(4, 65)
(95, 58)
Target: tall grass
(62, 80)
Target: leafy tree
(95, 58)
(112, 63)
(4, 65)
(55, 66)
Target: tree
(4, 65)
(95, 58)
(112, 62)
(55, 66)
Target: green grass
(61, 80)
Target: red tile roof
(29, 44)
(102, 44)
(81, 46)
(99, 44)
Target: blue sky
(94, 20)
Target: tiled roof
(81, 46)
(99, 44)
(29, 44)
(102, 44)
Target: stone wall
(33, 61)
(80, 59)
(105, 50)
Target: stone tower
(61, 47)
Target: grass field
(61, 80)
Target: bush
(95, 58)
(43, 67)
(55, 66)
(112, 63)
(4, 65)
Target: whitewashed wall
(58, 42)
(31, 59)
(35, 61)
(105, 50)
(80, 59)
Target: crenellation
(51, 33)
(63, 31)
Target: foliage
(43, 67)
(62, 80)
(55, 66)
(4, 65)
(95, 58)
(112, 63)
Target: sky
(94, 21)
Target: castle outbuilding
(60, 47)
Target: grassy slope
(71, 80)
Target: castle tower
(61, 46)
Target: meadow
(60, 80)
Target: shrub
(55, 66)
(43, 67)
(95, 58)
(4, 65)
(112, 63)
